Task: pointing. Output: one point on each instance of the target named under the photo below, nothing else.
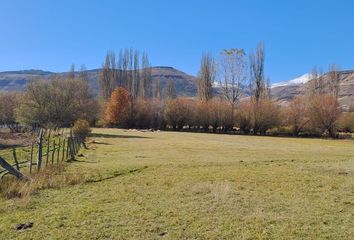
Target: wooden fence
(49, 148)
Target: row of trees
(315, 113)
(130, 71)
(127, 99)
(316, 116)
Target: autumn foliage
(118, 109)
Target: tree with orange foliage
(118, 110)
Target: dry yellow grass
(148, 185)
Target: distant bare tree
(156, 89)
(170, 89)
(135, 75)
(233, 73)
(145, 76)
(258, 88)
(206, 78)
(107, 76)
(257, 73)
(316, 86)
(334, 80)
(72, 72)
(83, 74)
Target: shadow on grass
(101, 135)
(117, 174)
(9, 146)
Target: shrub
(346, 122)
(81, 128)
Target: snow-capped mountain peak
(296, 81)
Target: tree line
(129, 99)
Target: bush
(81, 128)
(346, 122)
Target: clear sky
(53, 34)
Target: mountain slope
(185, 84)
(286, 91)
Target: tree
(170, 89)
(71, 74)
(136, 75)
(145, 76)
(297, 116)
(334, 80)
(56, 103)
(245, 116)
(83, 74)
(206, 78)
(109, 76)
(233, 72)
(118, 110)
(257, 73)
(317, 85)
(258, 86)
(178, 113)
(156, 89)
(324, 113)
(220, 115)
(8, 103)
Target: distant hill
(185, 85)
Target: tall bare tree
(206, 78)
(233, 75)
(170, 89)
(145, 76)
(334, 80)
(317, 85)
(83, 73)
(257, 72)
(156, 89)
(135, 75)
(108, 76)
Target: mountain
(284, 92)
(296, 81)
(185, 85)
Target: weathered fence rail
(49, 148)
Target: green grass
(196, 186)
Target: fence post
(67, 148)
(58, 153)
(31, 160)
(62, 157)
(72, 148)
(53, 151)
(12, 170)
(40, 148)
(48, 147)
(15, 158)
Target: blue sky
(51, 35)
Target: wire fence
(48, 147)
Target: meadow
(176, 185)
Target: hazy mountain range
(185, 85)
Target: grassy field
(151, 185)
